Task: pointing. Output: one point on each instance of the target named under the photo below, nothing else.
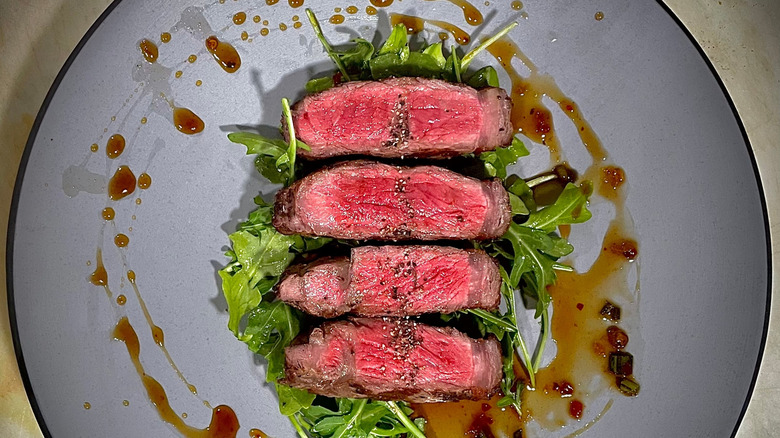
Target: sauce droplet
(264, 31)
(198, 83)
(271, 2)
(121, 240)
(297, 25)
(517, 5)
(295, 3)
(336, 19)
(126, 402)
(121, 184)
(599, 16)
(107, 213)
(352, 9)
(239, 18)
(224, 53)
(94, 147)
(115, 146)
(187, 121)
(282, 27)
(149, 50)
(296, 18)
(178, 74)
(381, 3)
(244, 36)
(143, 120)
(87, 405)
(192, 58)
(257, 433)
(165, 37)
(370, 10)
(256, 18)
(99, 277)
(144, 181)
(121, 300)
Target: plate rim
(11, 231)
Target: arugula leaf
(268, 152)
(496, 161)
(484, 77)
(319, 84)
(270, 327)
(318, 31)
(257, 258)
(569, 208)
(293, 400)
(397, 42)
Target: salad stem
(541, 179)
(492, 318)
(298, 428)
(542, 338)
(398, 412)
(292, 150)
(464, 63)
(318, 31)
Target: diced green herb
(628, 386)
(621, 363)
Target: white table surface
(740, 37)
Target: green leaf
(435, 52)
(317, 85)
(268, 152)
(396, 42)
(293, 400)
(497, 161)
(270, 328)
(569, 208)
(484, 77)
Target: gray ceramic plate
(638, 78)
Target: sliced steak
(368, 200)
(402, 117)
(394, 359)
(394, 281)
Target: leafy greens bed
(528, 252)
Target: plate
(635, 73)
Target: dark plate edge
(762, 196)
(55, 85)
(9, 249)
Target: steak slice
(394, 281)
(394, 359)
(402, 117)
(369, 200)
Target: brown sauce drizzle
(100, 276)
(224, 423)
(149, 50)
(381, 3)
(187, 121)
(224, 53)
(239, 18)
(530, 115)
(257, 433)
(144, 181)
(157, 333)
(336, 19)
(469, 418)
(470, 12)
(295, 3)
(121, 184)
(416, 24)
(115, 146)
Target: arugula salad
(528, 253)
